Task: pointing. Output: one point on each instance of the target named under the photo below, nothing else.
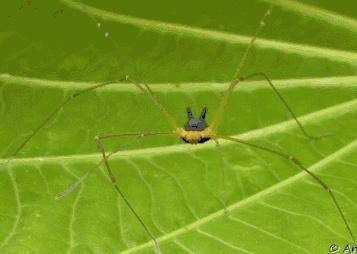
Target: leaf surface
(188, 55)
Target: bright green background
(49, 50)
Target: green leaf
(188, 53)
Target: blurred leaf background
(188, 51)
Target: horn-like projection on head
(203, 113)
(189, 113)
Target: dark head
(196, 124)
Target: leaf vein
(269, 233)
(18, 213)
(304, 50)
(222, 241)
(321, 223)
(318, 13)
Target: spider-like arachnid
(195, 131)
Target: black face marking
(196, 124)
(202, 140)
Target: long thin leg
(223, 174)
(115, 134)
(115, 184)
(153, 97)
(261, 74)
(252, 41)
(218, 116)
(50, 116)
(301, 166)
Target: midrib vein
(18, 212)
(317, 116)
(327, 16)
(314, 168)
(325, 82)
(304, 50)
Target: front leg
(100, 145)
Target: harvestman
(195, 131)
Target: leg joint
(293, 159)
(98, 142)
(235, 82)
